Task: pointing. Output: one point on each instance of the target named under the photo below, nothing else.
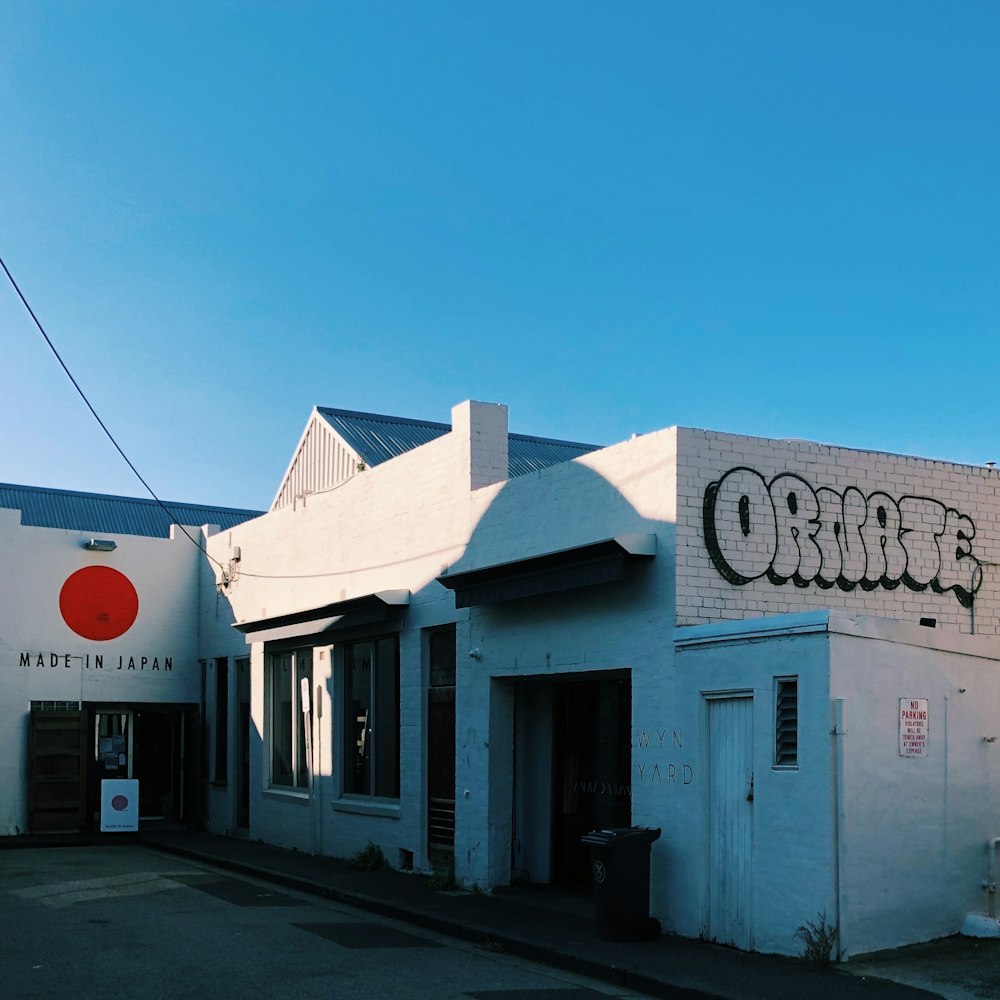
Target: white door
(730, 820)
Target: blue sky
(774, 218)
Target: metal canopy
(583, 566)
(330, 617)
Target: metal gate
(441, 745)
(730, 820)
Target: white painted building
(470, 648)
(99, 667)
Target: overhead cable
(103, 426)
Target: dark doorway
(156, 763)
(591, 767)
(157, 744)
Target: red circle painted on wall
(98, 602)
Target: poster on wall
(119, 805)
(912, 727)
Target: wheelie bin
(619, 864)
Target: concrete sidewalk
(560, 931)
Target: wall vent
(786, 722)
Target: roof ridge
(383, 417)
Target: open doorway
(573, 763)
(159, 745)
(156, 763)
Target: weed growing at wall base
(444, 881)
(818, 938)
(369, 859)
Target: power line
(76, 385)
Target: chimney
(483, 426)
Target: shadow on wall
(540, 549)
(570, 591)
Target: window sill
(386, 808)
(300, 796)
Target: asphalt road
(103, 923)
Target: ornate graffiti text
(787, 530)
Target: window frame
(299, 661)
(364, 776)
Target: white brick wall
(446, 506)
(926, 548)
(400, 525)
(484, 426)
(164, 573)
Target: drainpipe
(839, 732)
(316, 765)
(990, 884)
(977, 571)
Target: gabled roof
(336, 442)
(377, 438)
(47, 508)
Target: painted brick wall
(930, 508)
(918, 853)
(625, 488)
(400, 525)
(395, 526)
(484, 425)
(43, 659)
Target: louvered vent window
(786, 722)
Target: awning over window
(330, 617)
(583, 566)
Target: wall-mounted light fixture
(100, 545)
(475, 654)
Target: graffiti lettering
(618, 790)
(785, 530)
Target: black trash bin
(619, 864)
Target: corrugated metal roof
(378, 438)
(47, 508)
(528, 454)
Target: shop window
(371, 732)
(786, 722)
(221, 772)
(113, 744)
(286, 720)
